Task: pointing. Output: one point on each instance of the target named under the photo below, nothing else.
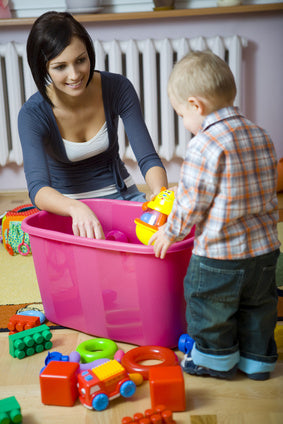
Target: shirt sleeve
(197, 188)
(139, 138)
(32, 133)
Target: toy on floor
(73, 357)
(10, 411)
(93, 349)
(155, 214)
(185, 343)
(54, 356)
(103, 383)
(76, 357)
(29, 342)
(15, 240)
(167, 387)
(18, 323)
(132, 358)
(32, 313)
(64, 377)
(58, 383)
(159, 415)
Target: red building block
(159, 415)
(19, 323)
(58, 383)
(167, 387)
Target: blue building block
(29, 342)
(10, 411)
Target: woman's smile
(75, 85)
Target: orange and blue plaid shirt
(227, 189)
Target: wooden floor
(209, 400)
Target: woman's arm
(156, 178)
(84, 221)
(34, 128)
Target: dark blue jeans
(232, 312)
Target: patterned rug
(7, 311)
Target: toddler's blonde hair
(203, 74)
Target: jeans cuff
(250, 366)
(215, 362)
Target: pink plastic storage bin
(108, 288)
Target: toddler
(227, 189)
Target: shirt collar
(219, 115)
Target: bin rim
(28, 227)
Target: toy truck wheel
(127, 389)
(100, 402)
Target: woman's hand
(85, 222)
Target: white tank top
(79, 151)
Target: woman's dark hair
(50, 34)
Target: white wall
(262, 99)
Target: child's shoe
(190, 367)
(259, 376)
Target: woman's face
(69, 71)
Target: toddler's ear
(197, 104)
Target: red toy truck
(99, 385)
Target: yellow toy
(155, 214)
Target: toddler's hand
(160, 242)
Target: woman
(68, 129)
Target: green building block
(29, 342)
(10, 411)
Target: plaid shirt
(227, 189)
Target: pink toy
(116, 235)
(76, 275)
(119, 355)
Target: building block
(167, 387)
(19, 323)
(58, 383)
(158, 415)
(10, 411)
(29, 342)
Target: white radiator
(147, 63)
